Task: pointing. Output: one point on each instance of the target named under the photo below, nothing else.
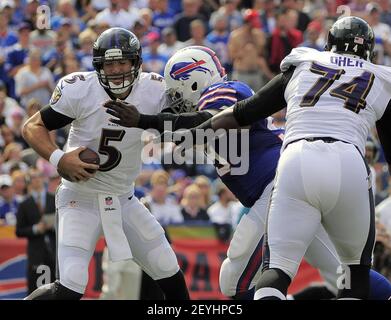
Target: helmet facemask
(127, 78)
(177, 103)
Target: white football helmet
(188, 73)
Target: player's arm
(384, 132)
(177, 121)
(128, 116)
(268, 100)
(36, 133)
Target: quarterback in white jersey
(81, 98)
(89, 204)
(333, 99)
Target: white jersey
(333, 95)
(80, 96)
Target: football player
(103, 201)
(333, 98)
(197, 87)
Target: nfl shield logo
(109, 201)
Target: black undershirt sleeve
(266, 101)
(178, 121)
(384, 132)
(52, 119)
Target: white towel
(111, 216)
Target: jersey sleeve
(297, 56)
(157, 86)
(223, 96)
(67, 95)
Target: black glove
(182, 136)
(127, 114)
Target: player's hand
(127, 114)
(71, 165)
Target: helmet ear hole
(194, 86)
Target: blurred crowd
(250, 37)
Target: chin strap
(122, 88)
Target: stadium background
(250, 37)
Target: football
(89, 156)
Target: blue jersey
(264, 144)
(380, 287)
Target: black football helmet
(351, 35)
(117, 44)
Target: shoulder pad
(297, 56)
(70, 85)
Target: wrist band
(56, 156)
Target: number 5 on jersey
(113, 154)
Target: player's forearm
(268, 100)
(37, 136)
(156, 121)
(172, 122)
(222, 120)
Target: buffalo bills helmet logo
(182, 70)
